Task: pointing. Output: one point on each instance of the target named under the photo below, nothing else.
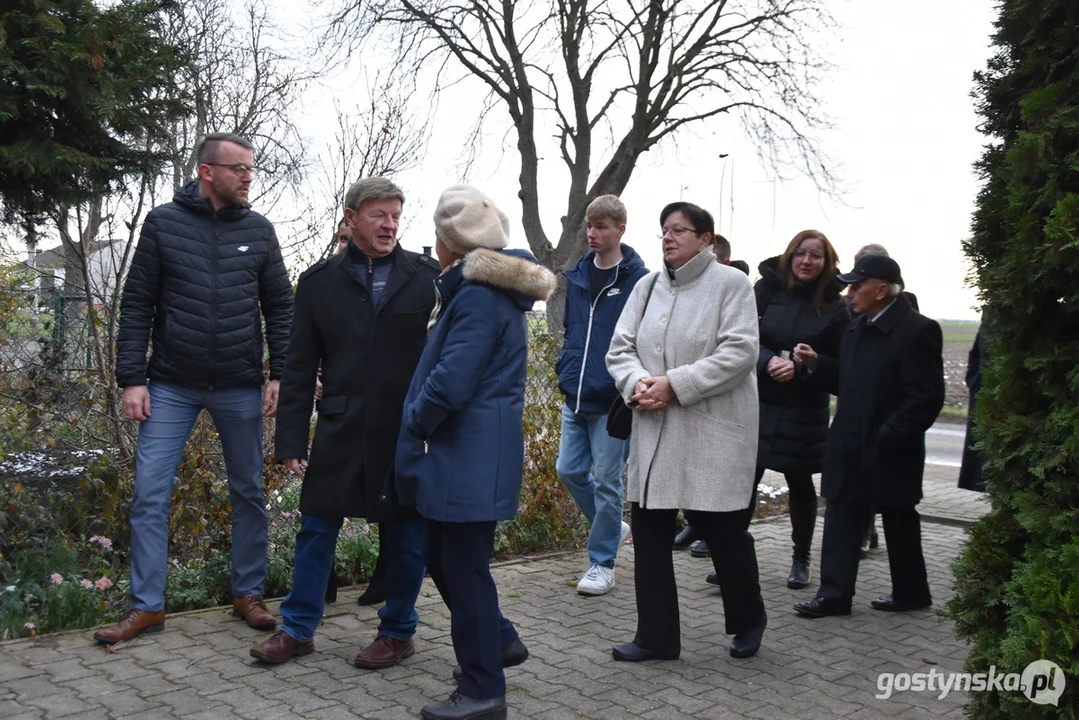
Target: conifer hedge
(1017, 580)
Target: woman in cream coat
(684, 356)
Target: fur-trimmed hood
(515, 271)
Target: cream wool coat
(700, 330)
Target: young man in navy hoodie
(590, 462)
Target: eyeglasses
(801, 254)
(677, 232)
(239, 169)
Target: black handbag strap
(649, 296)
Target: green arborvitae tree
(85, 91)
(1017, 580)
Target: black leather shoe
(632, 652)
(512, 656)
(890, 604)
(462, 707)
(712, 579)
(819, 607)
(748, 643)
(801, 573)
(687, 537)
(700, 550)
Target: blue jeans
(301, 610)
(237, 415)
(590, 464)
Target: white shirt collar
(877, 316)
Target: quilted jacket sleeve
(275, 296)
(137, 308)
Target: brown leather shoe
(281, 647)
(384, 652)
(133, 623)
(254, 612)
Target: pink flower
(103, 583)
(57, 579)
(366, 529)
(85, 584)
(101, 540)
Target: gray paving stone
(199, 666)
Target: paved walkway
(199, 667)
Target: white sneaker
(597, 581)
(625, 534)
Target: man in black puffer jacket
(205, 266)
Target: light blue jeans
(590, 464)
(237, 415)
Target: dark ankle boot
(375, 594)
(331, 585)
(803, 519)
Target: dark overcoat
(794, 415)
(890, 383)
(970, 474)
(368, 355)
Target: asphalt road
(944, 444)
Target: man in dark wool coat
(363, 315)
(890, 381)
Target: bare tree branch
(644, 69)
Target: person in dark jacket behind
(870, 540)
(591, 462)
(205, 267)
(798, 301)
(461, 449)
(361, 314)
(890, 383)
(970, 473)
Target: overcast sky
(905, 141)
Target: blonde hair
(608, 206)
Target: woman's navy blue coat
(461, 449)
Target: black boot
(869, 534)
(331, 585)
(803, 519)
(686, 537)
(375, 594)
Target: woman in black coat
(970, 474)
(798, 301)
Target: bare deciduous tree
(236, 80)
(617, 77)
(239, 81)
(382, 138)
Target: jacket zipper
(213, 298)
(588, 336)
